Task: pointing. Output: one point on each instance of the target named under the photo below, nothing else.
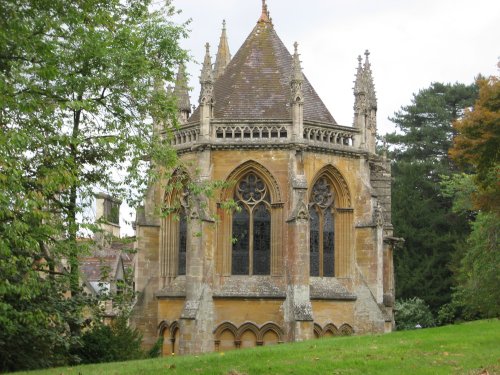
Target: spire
(223, 55)
(265, 17)
(206, 78)
(181, 91)
(297, 77)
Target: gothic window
(322, 233)
(251, 248)
(181, 268)
(174, 231)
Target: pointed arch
(346, 330)
(174, 226)
(332, 234)
(270, 327)
(331, 328)
(162, 327)
(318, 331)
(339, 184)
(241, 223)
(262, 171)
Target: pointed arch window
(174, 230)
(322, 229)
(251, 228)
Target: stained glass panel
(240, 252)
(261, 240)
(314, 241)
(328, 243)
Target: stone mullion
(321, 243)
(250, 241)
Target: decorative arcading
(239, 132)
(328, 136)
(238, 332)
(331, 330)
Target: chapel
(306, 249)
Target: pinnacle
(223, 56)
(265, 16)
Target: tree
(80, 83)
(477, 147)
(477, 143)
(421, 214)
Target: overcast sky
(412, 43)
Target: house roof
(256, 83)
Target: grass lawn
(469, 348)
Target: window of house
(322, 233)
(251, 242)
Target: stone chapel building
(308, 251)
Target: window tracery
(251, 249)
(322, 229)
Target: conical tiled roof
(256, 83)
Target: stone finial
(223, 55)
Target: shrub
(110, 343)
(412, 313)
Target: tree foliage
(421, 213)
(79, 87)
(477, 148)
(413, 313)
(477, 143)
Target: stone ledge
(323, 288)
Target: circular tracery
(251, 189)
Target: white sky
(412, 44)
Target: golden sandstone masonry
(308, 252)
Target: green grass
(468, 348)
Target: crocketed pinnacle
(206, 70)
(265, 16)
(223, 55)
(181, 91)
(358, 83)
(297, 69)
(364, 82)
(206, 78)
(370, 87)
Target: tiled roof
(256, 83)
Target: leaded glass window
(251, 249)
(181, 269)
(322, 230)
